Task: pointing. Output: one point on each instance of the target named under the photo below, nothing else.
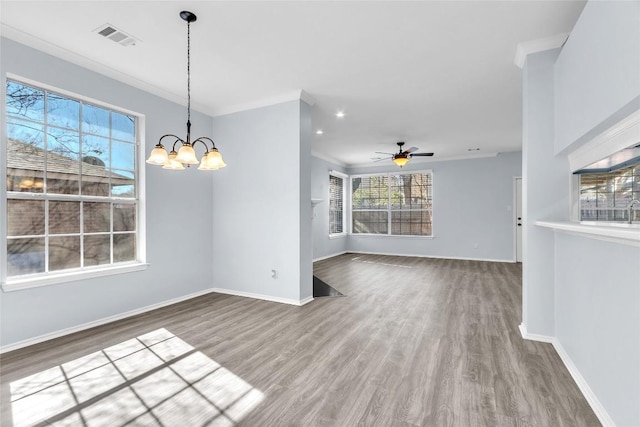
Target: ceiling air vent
(116, 35)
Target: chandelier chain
(188, 71)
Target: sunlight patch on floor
(154, 379)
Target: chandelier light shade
(186, 154)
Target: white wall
(473, 203)
(323, 246)
(172, 198)
(262, 203)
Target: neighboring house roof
(22, 156)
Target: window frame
(344, 178)
(389, 210)
(26, 281)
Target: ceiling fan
(402, 157)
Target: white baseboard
(432, 256)
(99, 322)
(329, 256)
(582, 384)
(263, 297)
(534, 337)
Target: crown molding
(538, 45)
(293, 95)
(328, 158)
(49, 48)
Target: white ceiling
(437, 74)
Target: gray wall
(323, 246)
(471, 201)
(170, 198)
(545, 188)
(584, 292)
(262, 208)
(598, 319)
(597, 74)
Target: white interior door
(518, 219)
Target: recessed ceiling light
(319, 132)
(340, 114)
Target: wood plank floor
(415, 342)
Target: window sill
(28, 282)
(337, 236)
(392, 236)
(626, 234)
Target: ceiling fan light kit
(186, 155)
(402, 157)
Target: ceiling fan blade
(388, 154)
(411, 149)
(421, 154)
(379, 159)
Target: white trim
(99, 322)
(421, 160)
(97, 67)
(263, 297)
(538, 45)
(327, 158)
(338, 235)
(329, 256)
(582, 384)
(533, 337)
(620, 136)
(293, 95)
(338, 174)
(431, 256)
(625, 234)
(20, 283)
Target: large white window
(399, 204)
(336, 203)
(71, 182)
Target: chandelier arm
(205, 138)
(174, 142)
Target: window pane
(411, 223)
(124, 217)
(123, 127)
(122, 155)
(63, 112)
(371, 192)
(25, 217)
(25, 256)
(411, 191)
(96, 216)
(95, 150)
(25, 101)
(371, 222)
(123, 184)
(124, 247)
(25, 156)
(97, 250)
(605, 196)
(64, 252)
(63, 168)
(336, 204)
(95, 120)
(64, 217)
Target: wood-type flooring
(415, 342)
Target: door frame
(514, 211)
